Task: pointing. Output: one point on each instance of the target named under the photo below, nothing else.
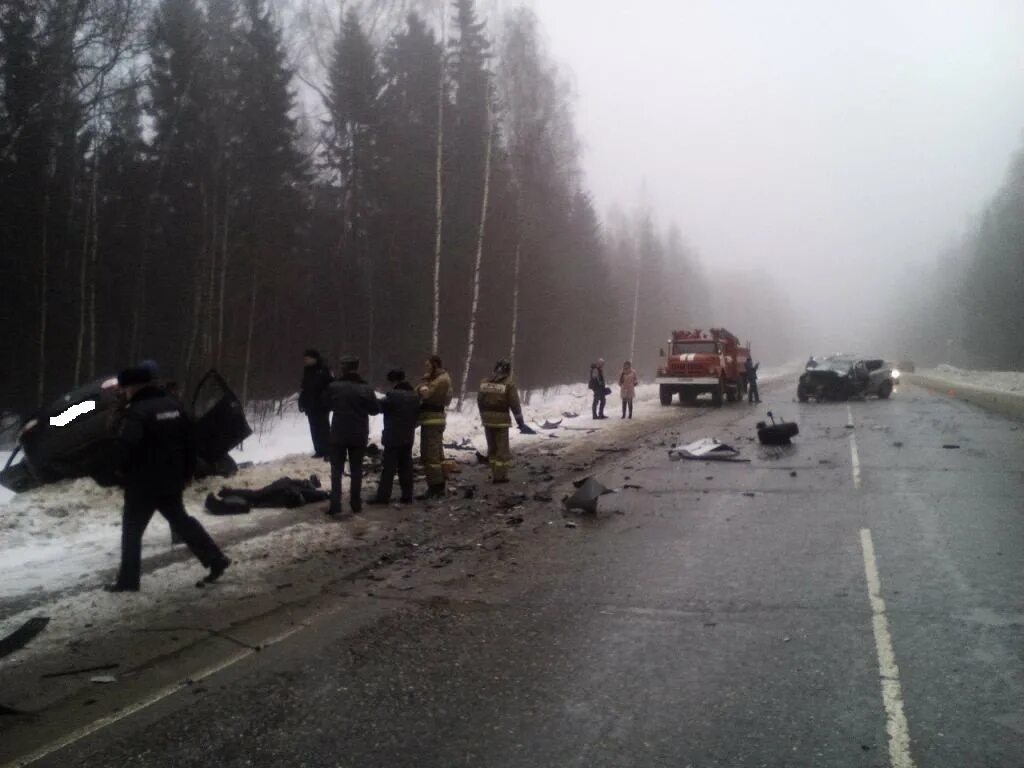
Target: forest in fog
(173, 187)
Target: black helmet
(503, 366)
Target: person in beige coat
(628, 382)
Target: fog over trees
(171, 189)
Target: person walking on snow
(497, 396)
(315, 378)
(351, 401)
(750, 368)
(628, 382)
(156, 461)
(401, 409)
(599, 389)
(435, 391)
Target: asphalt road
(718, 615)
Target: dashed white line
(892, 692)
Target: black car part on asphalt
(84, 445)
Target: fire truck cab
(703, 361)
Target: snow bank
(1010, 382)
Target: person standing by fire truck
(750, 368)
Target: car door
(218, 418)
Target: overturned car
(842, 377)
(74, 435)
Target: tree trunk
(248, 340)
(223, 282)
(471, 338)
(515, 277)
(93, 261)
(439, 194)
(636, 310)
(83, 273)
(43, 290)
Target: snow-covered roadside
(1010, 382)
(63, 535)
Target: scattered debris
(898, 444)
(548, 424)
(23, 635)
(793, 473)
(705, 449)
(469, 492)
(751, 494)
(588, 491)
(776, 433)
(570, 415)
(514, 520)
(513, 501)
(951, 445)
(570, 524)
(613, 450)
(633, 487)
(69, 672)
(465, 445)
(103, 679)
(543, 497)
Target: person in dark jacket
(750, 368)
(401, 409)
(351, 401)
(599, 388)
(315, 378)
(156, 462)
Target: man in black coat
(401, 408)
(352, 401)
(599, 388)
(315, 378)
(157, 460)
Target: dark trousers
(320, 431)
(627, 405)
(753, 396)
(354, 456)
(396, 459)
(138, 511)
(597, 408)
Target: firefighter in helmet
(435, 391)
(496, 398)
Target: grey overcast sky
(840, 144)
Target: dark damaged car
(844, 377)
(74, 435)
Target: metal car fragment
(588, 491)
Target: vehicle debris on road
(705, 449)
(588, 491)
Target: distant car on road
(841, 377)
(74, 435)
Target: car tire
(801, 394)
(884, 390)
(718, 396)
(665, 394)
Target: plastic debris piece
(588, 491)
(23, 635)
(103, 679)
(705, 449)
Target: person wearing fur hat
(156, 462)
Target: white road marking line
(849, 416)
(892, 692)
(855, 460)
(159, 695)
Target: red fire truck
(703, 361)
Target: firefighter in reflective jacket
(496, 397)
(435, 393)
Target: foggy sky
(838, 144)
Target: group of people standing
(339, 413)
(628, 382)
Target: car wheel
(718, 395)
(665, 394)
(801, 394)
(885, 390)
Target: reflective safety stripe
(432, 420)
(493, 388)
